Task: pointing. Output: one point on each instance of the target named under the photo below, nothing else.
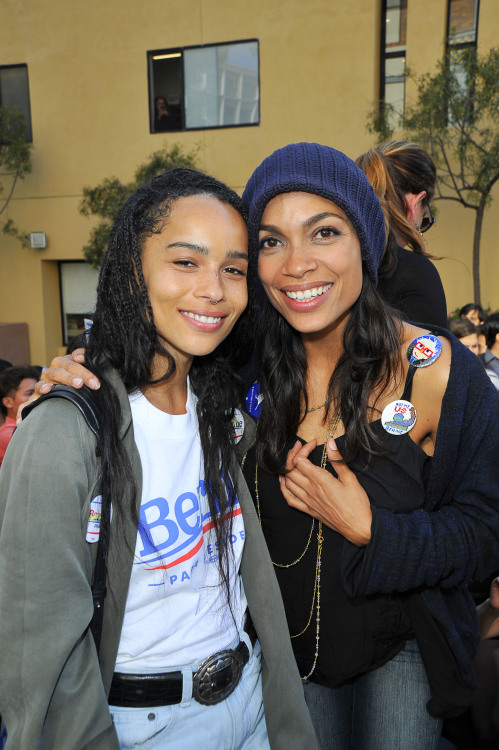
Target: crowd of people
(288, 551)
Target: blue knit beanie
(312, 168)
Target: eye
(267, 243)
(234, 271)
(327, 233)
(184, 263)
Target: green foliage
(380, 121)
(15, 162)
(456, 117)
(106, 199)
(10, 228)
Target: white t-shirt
(176, 611)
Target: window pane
(79, 295)
(14, 92)
(221, 85)
(462, 21)
(395, 68)
(395, 24)
(166, 99)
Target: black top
(355, 635)
(416, 290)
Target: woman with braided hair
(176, 661)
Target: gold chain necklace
(316, 597)
(313, 408)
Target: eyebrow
(306, 224)
(203, 250)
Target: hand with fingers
(339, 502)
(65, 370)
(488, 613)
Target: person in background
(473, 312)
(466, 331)
(403, 176)
(163, 120)
(490, 358)
(17, 384)
(3, 366)
(485, 708)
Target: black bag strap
(83, 401)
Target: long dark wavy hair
(395, 168)
(370, 359)
(124, 336)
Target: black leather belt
(212, 682)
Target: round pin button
(238, 425)
(424, 350)
(399, 417)
(254, 400)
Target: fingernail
(332, 444)
(94, 383)
(77, 381)
(45, 387)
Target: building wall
(319, 64)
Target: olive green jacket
(53, 691)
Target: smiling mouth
(203, 318)
(308, 294)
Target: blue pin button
(254, 400)
(424, 350)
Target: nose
(299, 261)
(211, 287)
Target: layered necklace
(316, 596)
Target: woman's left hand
(340, 503)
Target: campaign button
(424, 350)
(399, 417)
(254, 400)
(238, 425)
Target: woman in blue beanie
(374, 524)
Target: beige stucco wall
(89, 105)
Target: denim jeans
(236, 723)
(384, 709)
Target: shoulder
(439, 351)
(55, 428)
(411, 263)
(456, 374)
(430, 380)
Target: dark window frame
(29, 122)
(387, 55)
(181, 50)
(460, 45)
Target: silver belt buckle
(203, 688)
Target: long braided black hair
(124, 336)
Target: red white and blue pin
(399, 417)
(424, 350)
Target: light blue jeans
(384, 709)
(237, 723)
